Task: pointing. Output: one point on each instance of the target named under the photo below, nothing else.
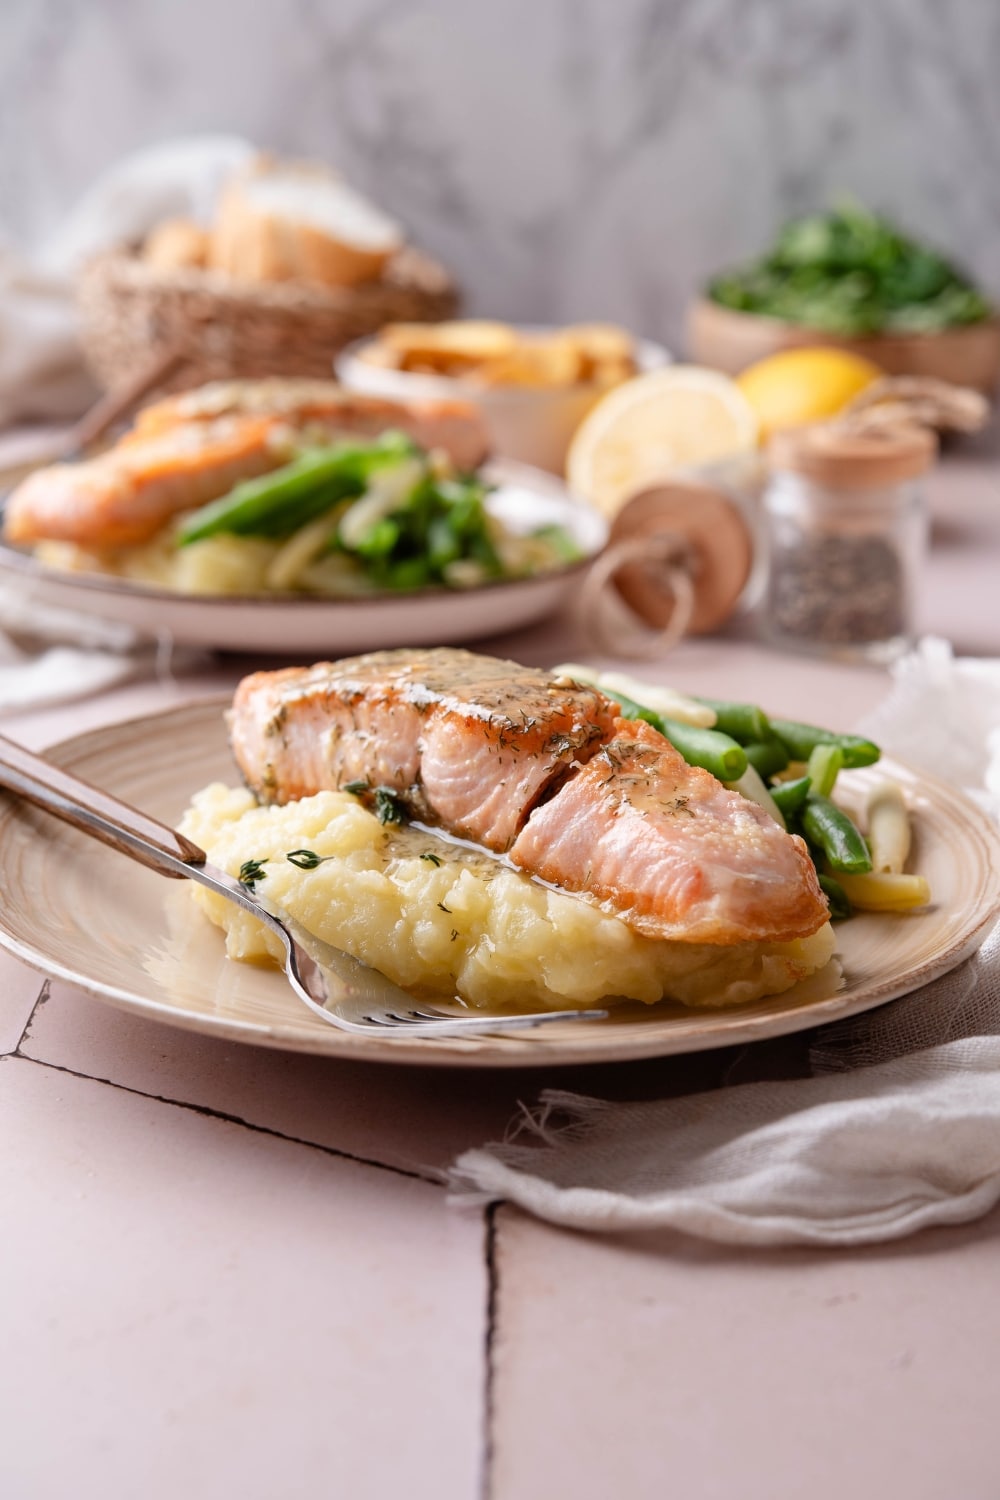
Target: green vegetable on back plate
(405, 525)
(851, 272)
(279, 503)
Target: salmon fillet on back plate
(540, 769)
(193, 448)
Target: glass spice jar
(844, 533)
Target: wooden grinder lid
(713, 543)
(839, 458)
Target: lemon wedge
(804, 385)
(676, 418)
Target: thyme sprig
(307, 859)
(251, 872)
(388, 806)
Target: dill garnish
(442, 907)
(432, 859)
(356, 788)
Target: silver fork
(335, 986)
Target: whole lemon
(804, 385)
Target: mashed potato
(239, 565)
(439, 918)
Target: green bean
(836, 898)
(825, 762)
(743, 722)
(707, 748)
(791, 795)
(832, 832)
(801, 739)
(768, 757)
(279, 503)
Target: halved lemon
(676, 418)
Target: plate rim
(514, 1049)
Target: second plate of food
(523, 500)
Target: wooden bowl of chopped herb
(851, 280)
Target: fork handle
(95, 812)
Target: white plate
(79, 911)
(525, 499)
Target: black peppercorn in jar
(844, 533)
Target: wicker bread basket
(131, 313)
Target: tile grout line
(489, 1347)
(40, 999)
(430, 1177)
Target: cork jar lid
(835, 456)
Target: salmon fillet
(203, 443)
(518, 760)
(671, 849)
(466, 741)
(324, 406)
(126, 495)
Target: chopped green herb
(356, 788)
(432, 859)
(851, 272)
(306, 859)
(251, 871)
(388, 806)
(314, 482)
(442, 907)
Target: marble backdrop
(567, 158)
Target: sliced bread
(298, 221)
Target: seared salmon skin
(193, 448)
(543, 769)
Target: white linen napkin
(42, 373)
(899, 1126)
(50, 655)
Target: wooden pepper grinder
(678, 558)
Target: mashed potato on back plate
(440, 918)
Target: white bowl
(530, 425)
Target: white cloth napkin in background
(42, 374)
(897, 1129)
(50, 655)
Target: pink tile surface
(194, 1308)
(20, 988)
(645, 1369)
(415, 1118)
